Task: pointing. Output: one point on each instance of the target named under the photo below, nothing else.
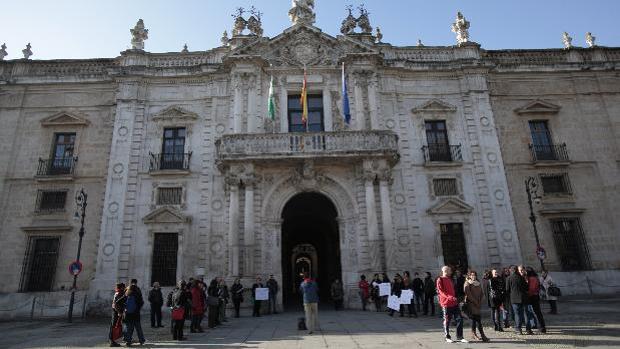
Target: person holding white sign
(408, 285)
(257, 302)
(397, 288)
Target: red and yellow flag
(304, 100)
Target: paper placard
(394, 303)
(406, 296)
(262, 294)
(385, 289)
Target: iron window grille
(39, 267)
(49, 201)
(164, 259)
(556, 183)
(169, 196)
(570, 244)
(445, 187)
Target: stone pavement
(592, 323)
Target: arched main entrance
(310, 243)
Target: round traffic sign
(75, 268)
(541, 253)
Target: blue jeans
(448, 315)
(519, 311)
(131, 324)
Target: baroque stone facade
(429, 171)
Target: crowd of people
(191, 301)
(513, 295)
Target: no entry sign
(75, 268)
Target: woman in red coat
(364, 291)
(198, 306)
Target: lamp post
(531, 187)
(80, 201)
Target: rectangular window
(169, 196)
(173, 149)
(445, 187)
(51, 201)
(542, 142)
(62, 154)
(40, 264)
(164, 263)
(453, 244)
(437, 141)
(315, 114)
(555, 183)
(570, 244)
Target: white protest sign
(262, 294)
(394, 303)
(385, 289)
(406, 296)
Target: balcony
(442, 153)
(169, 163)
(553, 153)
(336, 145)
(56, 167)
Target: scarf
(473, 282)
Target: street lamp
(80, 213)
(531, 187)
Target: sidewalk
(582, 323)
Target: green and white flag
(271, 103)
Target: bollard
(84, 307)
(34, 302)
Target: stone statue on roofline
(224, 40)
(27, 51)
(138, 35)
(590, 40)
(3, 52)
(363, 21)
(255, 24)
(240, 22)
(567, 41)
(349, 23)
(461, 28)
(302, 12)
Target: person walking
(497, 295)
(473, 298)
(533, 293)
(364, 291)
(337, 294)
(546, 283)
(450, 305)
(409, 285)
(516, 286)
(198, 307)
(236, 291)
(418, 290)
(310, 292)
(374, 292)
(257, 303)
(179, 304)
(156, 299)
(273, 287)
(118, 308)
(132, 314)
(429, 294)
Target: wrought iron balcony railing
(442, 153)
(56, 166)
(307, 145)
(551, 152)
(169, 161)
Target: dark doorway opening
(310, 243)
(453, 243)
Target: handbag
(465, 310)
(554, 291)
(117, 330)
(178, 313)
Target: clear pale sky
(89, 28)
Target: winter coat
(179, 299)
(418, 286)
(272, 285)
(473, 296)
(237, 292)
(198, 302)
(429, 287)
(517, 289)
(445, 289)
(545, 283)
(156, 298)
(397, 288)
(364, 289)
(310, 291)
(497, 291)
(118, 302)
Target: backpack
(132, 305)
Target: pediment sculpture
(166, 214)
(65, 118)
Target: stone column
(283, 106)
(327, 110)
(248, 226)
(360, 122)
(237, 106)
(385, 180)
(252, 104)
(373, 102)
(374, 243)
(233, 226)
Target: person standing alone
(257, 303)
(310, 291)
(272, 285)
(156, 299)
(450, 305)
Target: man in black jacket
(418, 289)
(157, 301)
(516, 287)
